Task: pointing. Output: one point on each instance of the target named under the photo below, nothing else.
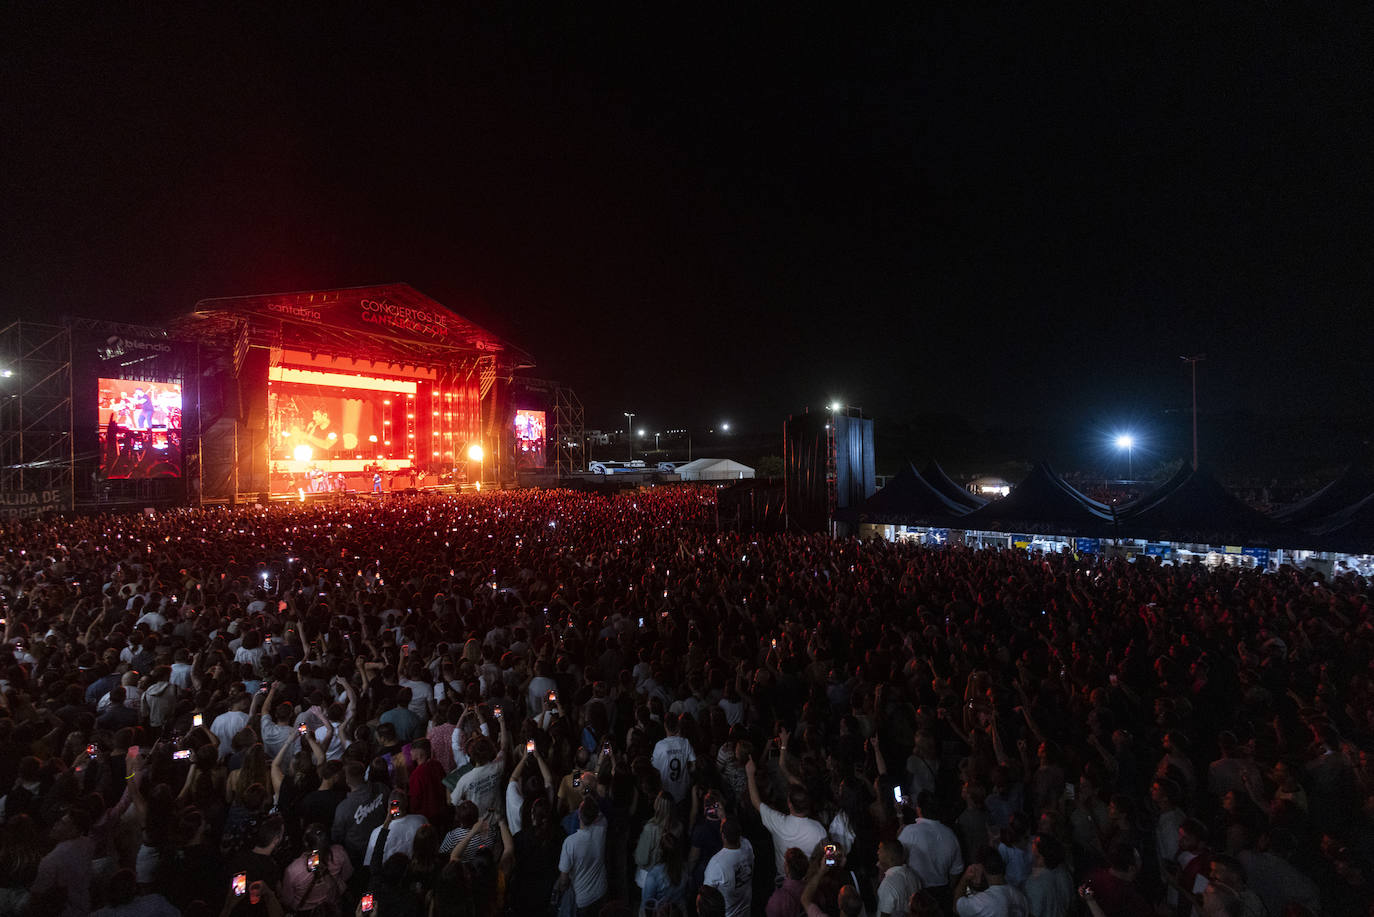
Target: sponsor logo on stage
(116, 346)
(295, 311)
(407, 318)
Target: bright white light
(303, 452)
(641, 432)
(475, 453)
(1125, 441)
(6, 373)
(725, 427)
(834, 405)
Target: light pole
(631, 431)
(655, 441)
(1127, 441)
(1193, 361)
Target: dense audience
(542, 702)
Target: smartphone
(1068, 791)
(641, 622)
(395, 810)
(496, 711)
(577, 782)
(239, 884)
(366, 903)
(91, 750)
(183, 755)
(312, 862)
(529, 747)
(830, 855)
(775, 643)
(302, 729)
(897, 795)
(197, 721)
(553, 697)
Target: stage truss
(569, 432)
(36, 451)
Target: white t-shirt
(732, 872)
(933, 851)
(539, 689)
(400, 839)
(181, 675)
(225, 727)
(514, 800)
(672, 756)
(421, 693)
(841, 832)
(482, 785)
(896, 888)
(994, 901)
(584, 858)
(336, 745)
(806, 834)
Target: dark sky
(703, 212)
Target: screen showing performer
(310, 424)
(529, 439)
(140, 429)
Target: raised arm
(754, 799)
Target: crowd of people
(536, 702)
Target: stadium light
(303, 453)
(475, 453)
(725, 427)
(1127, 441)
(835, 405)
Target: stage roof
(392, 321)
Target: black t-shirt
(318, 807)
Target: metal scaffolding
(569, 432)
(36, 413)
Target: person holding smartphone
(316, 878)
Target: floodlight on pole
(1127, 441)
(1193, 361)
(631, 415)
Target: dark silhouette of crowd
(538, 702)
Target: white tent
(708, 469)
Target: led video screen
(313, 423)
(140, 429)
(529, 439)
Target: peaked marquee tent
(709, 469)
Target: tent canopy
(908, 499)
(1200, 510)
(1042, 503)
(710, 469)
(935, 476)
(1351, 487)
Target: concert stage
(356, 390)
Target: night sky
(702, 212)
